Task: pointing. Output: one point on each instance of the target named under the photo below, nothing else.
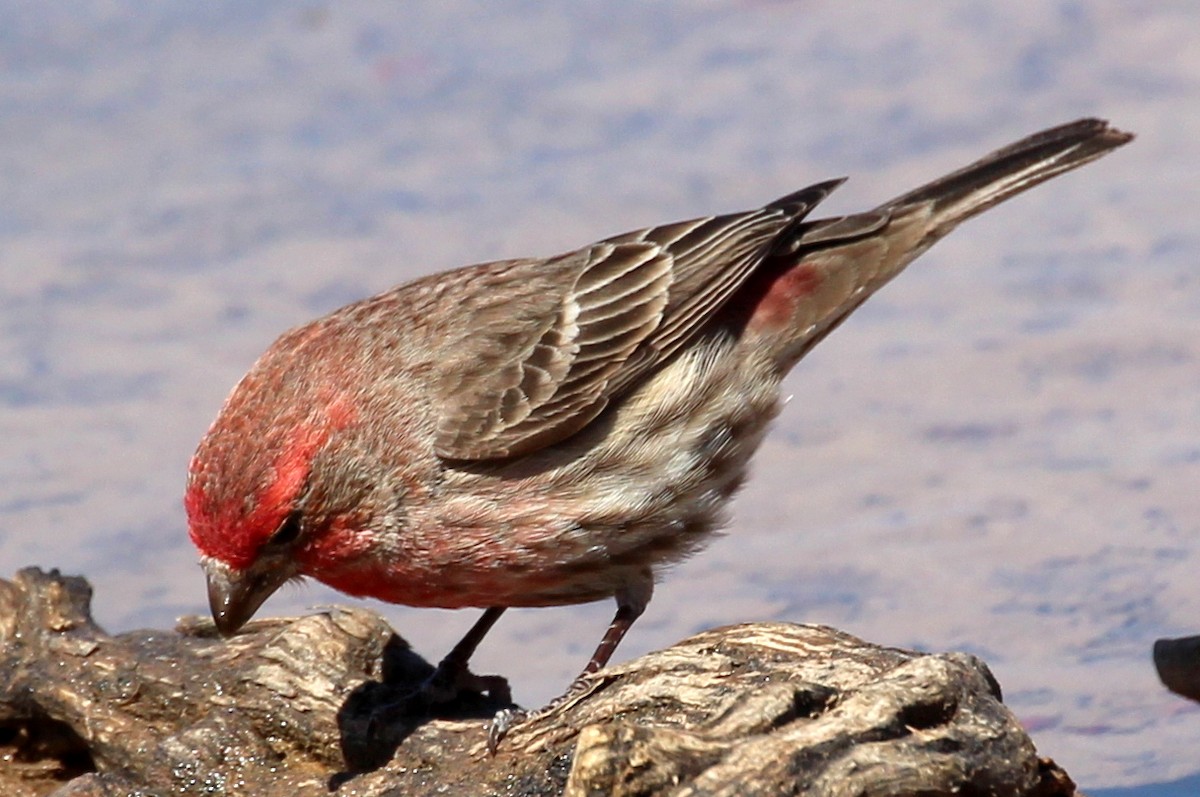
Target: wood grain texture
(286, 708)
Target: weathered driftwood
(285, 709)
(1178, 665)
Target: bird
(552, 430)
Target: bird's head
(254, 513)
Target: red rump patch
(784, 291)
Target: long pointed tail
(825, 269)
(1009, 171)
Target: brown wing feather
(556, 340)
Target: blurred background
(998, 454)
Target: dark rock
(1178, 665)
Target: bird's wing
(553, 341)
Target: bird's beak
(235, 595)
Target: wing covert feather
(553, 341)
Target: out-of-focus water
(998, 454)
(1183, 787)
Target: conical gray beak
(234, 596)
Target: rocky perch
(284, 709)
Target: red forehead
(232, 524)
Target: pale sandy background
(998, 454)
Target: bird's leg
(620, 625)
(631, 602)
(453, 674)
(451, 678)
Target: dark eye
(287, 533)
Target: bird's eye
(287, 533)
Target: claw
(502, 723)
(510, 718)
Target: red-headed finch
(556, 430)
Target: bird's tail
(1009, 171)
(823, 270)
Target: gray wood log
(285, 709)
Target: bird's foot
(504, 721)
(452, 679)
(508, 719)
(451, 690)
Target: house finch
(551, 431)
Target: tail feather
(1010, 170)
(825, 269)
